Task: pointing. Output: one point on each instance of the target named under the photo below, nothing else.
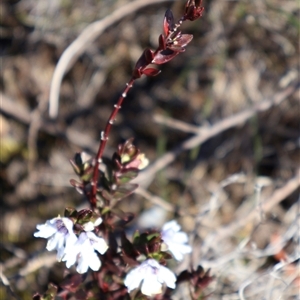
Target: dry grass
(220, 126)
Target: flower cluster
(70, 248)
(150, 274)
(82, 248)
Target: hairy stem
(104, 139)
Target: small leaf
(193, 11)
(127, 152)
(184, 39)
(51, 292)
(124, 190)
(161, 42)
(179, 41)
(129, 251)
(164, 56)
(75, 183)
(169, 23)
(84, 216)
(106, 195)
(70, 212)
(144, 60)
(136, 235)
(177, 49)
(127, 175)
(153, 235)
(78, 159)
(137, 73)
(75, 167)
(149, 54)
(151, 72)
(86, 177)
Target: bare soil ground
(220, 126)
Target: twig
(45, 260)
(34, 127)
(155, 199)
(176, 124)
(235, 120)
(6, 283)
(17, 111)
(279, 195)
(22, 114)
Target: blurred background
(236, 89)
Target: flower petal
(133, 279)
(94, 261)
(98, 243)
(83, 265)
(151, 286)
(167, 276)
(45, 230)
(171, 225)
(56, 239)
(70, 258)
(175, 239)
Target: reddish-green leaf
(169, 23)
(164, 56)
(124, 191)
(144, 60)
(127, 175)
(184, 39)
(151, 72)
(161, 42)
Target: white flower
(90, 226)
(84, 251)
(152, 275)
(59, 232)
(175, 239)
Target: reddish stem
(105, 133)
(104, 138)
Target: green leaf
(49, 295)
(152, 235)
(86, 177)
(70, 212)
(75, 167)
(128, 175)
(123, 191)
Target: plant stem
(104, 139)
(111, 119)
